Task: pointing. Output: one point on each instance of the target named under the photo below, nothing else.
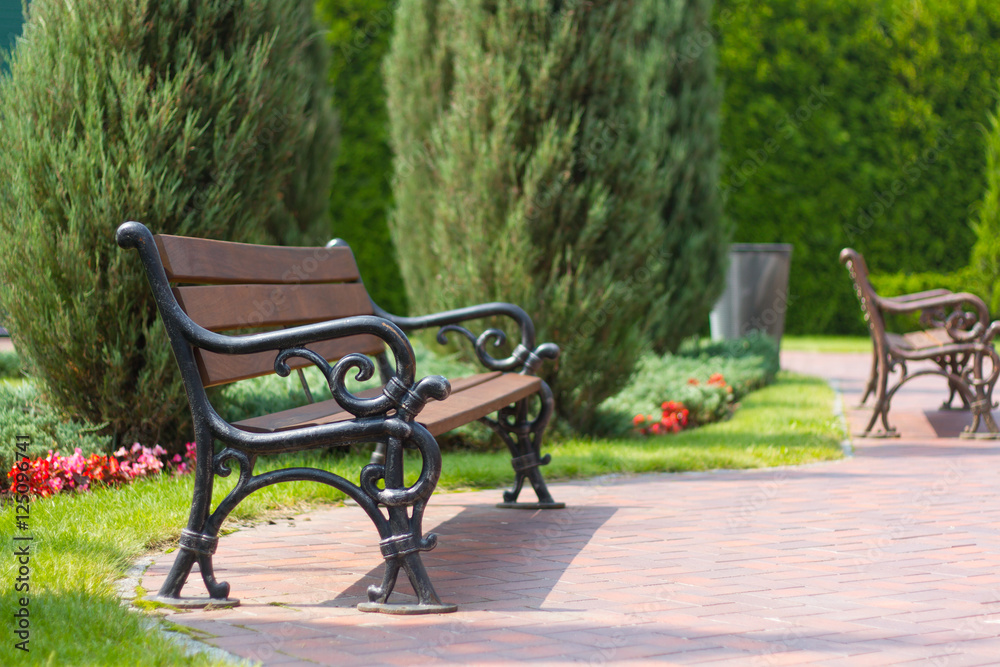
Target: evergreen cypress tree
(205, 119)
(543, 158)
(696, 236)
(359, 32)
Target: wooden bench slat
(307, 415)
(478, 401)
(921, 340)
(321, 412)
(471, 398)
(221, 307)
(219, 369)
(204, 261)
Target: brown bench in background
(309, 306)
(956, 335)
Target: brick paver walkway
(889, 557)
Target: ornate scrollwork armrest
(964, 326)
(522, 358)
(408, 401)
(526, 356)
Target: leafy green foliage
(562, 159)
(855, 123)
(359, 32)
(10, 365)
(24, 413)
(985, 265)
(746, 364)
(206, 119)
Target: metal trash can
(756, 293)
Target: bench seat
(471, 398)
(921, 340)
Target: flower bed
(52, 474)
(713, 401)
(705, 379)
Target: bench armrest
(526, 357)
(962, 325)
(904, 298)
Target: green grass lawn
(827, 343)
(83, 542)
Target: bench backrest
(858, 269)
(224, 286)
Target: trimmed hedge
(985, 265)
(855, 122)
(359, 33)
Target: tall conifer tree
(559, 155)
(199, 118)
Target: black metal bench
(202, 287)
(956, 336)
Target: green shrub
(24, 413)
(746, 364)
(562, 159)
(359, 32)
(855, 123)
(985, 265)
(207, 119)
(10, 365)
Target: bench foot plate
(878, 434)
(965, 435)
(196, 602)
(531, 506)
(406, 609)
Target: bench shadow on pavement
(486, 556)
